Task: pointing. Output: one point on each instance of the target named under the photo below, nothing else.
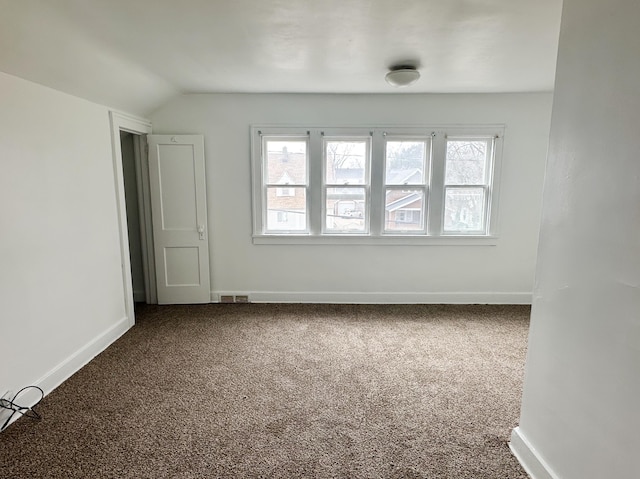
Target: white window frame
(347, 135)
(486, 186)
(434, 187)
(424, 187)
(260, 173)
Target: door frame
(138, 126)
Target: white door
(179, 213)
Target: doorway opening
(136, 193)
(172, 184)
(138, 129)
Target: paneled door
(179, 216)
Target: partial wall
(580, 417)
(61, 283)
(349, 273)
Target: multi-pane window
(386, 184)
(406, 183)
(346, 185)
(467, 185)
(286, 182)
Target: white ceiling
(135, 54)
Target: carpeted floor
(287, 391)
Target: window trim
(433, 188)
(486, 186)
(425, 186)
(265, 184)
(366, 186)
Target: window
(285, 180)
(406, 184)
(285, 160)
(285, 192)
(346, 185)
(466, 185)
(415, 185)
(408, 216)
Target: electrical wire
(13, 406)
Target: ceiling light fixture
(402, 76)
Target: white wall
(580, 416)
(502, 273)
(61, 291)
(45, 42)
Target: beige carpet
(287, 391)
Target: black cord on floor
(13, 406)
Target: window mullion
(493, 186)
(376, 201)
(315, 193)
(260, 189)
(435, 215)
(487, 209)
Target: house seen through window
(375, 183)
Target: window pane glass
(464, 209)
(286, 212)
(346, 210)
(466, 162)
(286, 162)
(405, 162)
(346, 162)
(404, 210)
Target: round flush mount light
(402, 76)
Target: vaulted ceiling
(136, 54)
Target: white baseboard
(339, 297)
(72, 364)
(77, 360)
(528, 457)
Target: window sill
(386, 240)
